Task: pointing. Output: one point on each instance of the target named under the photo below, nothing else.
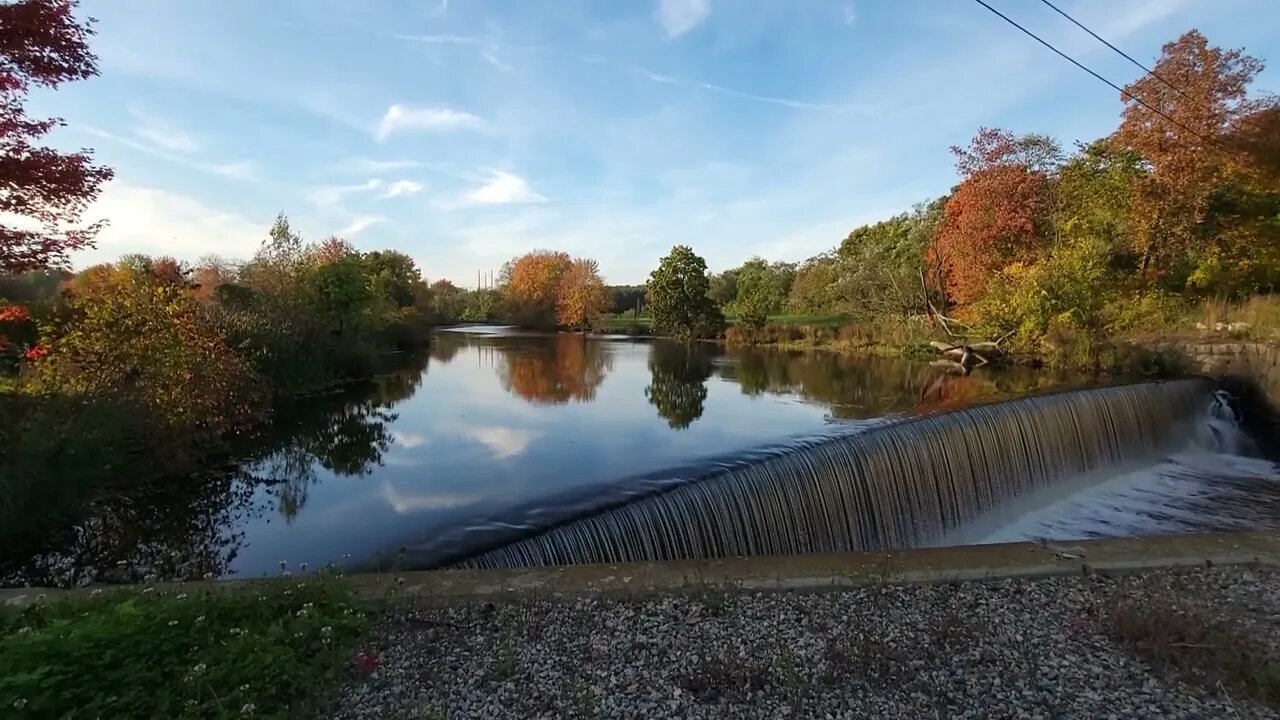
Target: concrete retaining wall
(828, 571)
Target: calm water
(492, 419)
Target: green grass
(269, 649)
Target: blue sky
(465, 133)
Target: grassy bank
(268, 649)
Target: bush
(266, 650)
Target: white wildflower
(147, 590)
(286, 574)
(172, 623)
(19, 703)
(182, 596)
(244, 688)
(199, 669)
(247, 709)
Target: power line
(1122, 53)
(1077, 63)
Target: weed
(1171, 634)
(268, 649)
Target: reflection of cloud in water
(407, 440)
(401, 461)
(407, 502)
(504, 442)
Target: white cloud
(403, 187)
(503, 188)
(238, 169)
(401, 117)
(848, 14)
(359, 224)
(328, 195)
(407, 440)
(678, 17)
(503, 442)
(406, 502)
(373, 166)
(159, 222)
(163, 134)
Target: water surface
(489, 419)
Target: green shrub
(270, 649)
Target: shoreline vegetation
(146, 371)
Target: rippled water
(491, 421)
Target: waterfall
(900, 484)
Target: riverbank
(1197, 643)
(1023, 629)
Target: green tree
(762, 290)
(677, 296)
(724, 288)
(678, 388)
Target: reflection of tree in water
(184, 527)
(348, 440)
(555, 369)
(678, 388)
(855, 387)
(444, 345)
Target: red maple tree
(42, 44)
(997, 215)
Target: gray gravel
(1007, 649)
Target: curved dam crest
(914, 482)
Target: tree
(582, 296)
(555, 370)
(678, 388)
(1000, 213)
(42, 45)
(1188, 153)
(531, 286)
(723, 288)
(879, 266)
(757, 294)
(813, 290)
(677, 296)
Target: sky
(466, 133)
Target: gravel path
(1024, 649)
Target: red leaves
(366, 661)
(35, 352)
(997, 214)
(42, 44)
(14, 313)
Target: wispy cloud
(160, 222)
(403, 187)
(848, 14)
(326, 195)
(399, 118)
(503, 442)
(162, 133)
(488, 48)
(503, 188)
(238, 169)
(407, 440)
(358, 225)
(678, 17)
(374, 166)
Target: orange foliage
(998, 213)
(569, 368)
(581, 295)
(332, 249)
(546, 288)
(1187, 157)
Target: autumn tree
(1000, 213)
(1182, 120)
(42, 44)
(677, 296)
(531, 285)
(563, 368)
(582, 296)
